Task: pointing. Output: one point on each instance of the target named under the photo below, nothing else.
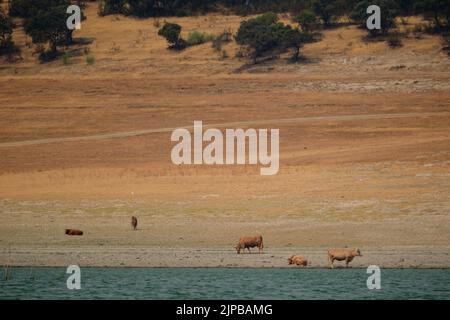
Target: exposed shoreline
(260, 268)
(391, 258)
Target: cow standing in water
(134, 222)
(250, 242)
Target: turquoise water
(190, 283)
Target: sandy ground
(364, 146)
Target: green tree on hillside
(7, 45)
(45, 22)
(296, 39)
(48, 27)
(6, 28)
(258, 34)
(265, 34)
(172, 33)
(389, 11)
(327, 10)
(106, 7)
(307, 20)
(27, 8)
(436, 10)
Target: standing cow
(342, 254)
(250, 242)
(134, 222)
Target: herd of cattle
(341, 254)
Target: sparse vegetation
(107, 7)
(21, 8)
(259, 35)
(48, 26)
(157, 23)
(307, 20)
(418, 30)
(7, 272)
(222, 38)
(295, 39)
(7, 46)
(6, 27)
(196, 38)
(155, 8)
(45, 23)
(90, 59)
(394, 40)
(265, 34)
(66, 58)
(7, 268)
(224, 55)
(172, 33)
(389, 11)
(436, 11)
(47, 55)
(446, 42)
(27, 8)
(327, 10)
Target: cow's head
(238, 248)
(290, 260)
(67, 231)
(358, 252)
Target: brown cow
(134, 222)
(250, 242)
(74, 232)
(342, 254)
(298, 260)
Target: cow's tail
(262, 243)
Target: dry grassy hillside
(365, 150)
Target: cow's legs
(346, 262)
(330, 261)
(248, 248)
